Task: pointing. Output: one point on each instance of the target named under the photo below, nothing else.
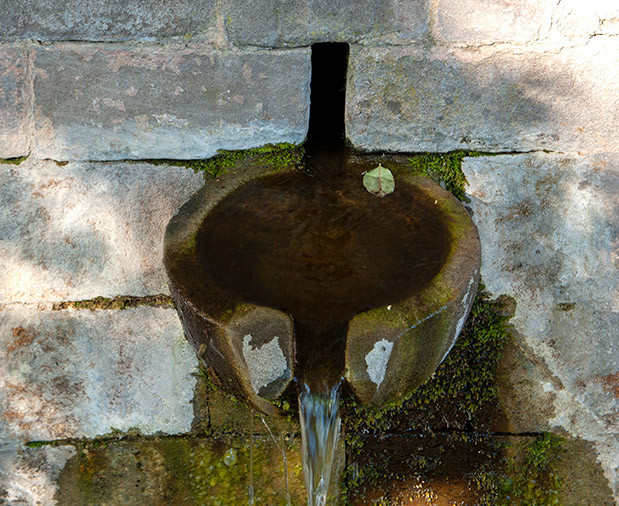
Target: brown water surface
(318, 245)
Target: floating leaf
(379, 181)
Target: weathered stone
(299, 23)
(14, 101)
(443, 99)
(228, 332)
(93, 102)
(476, 21)
(575, 21)
(549, 239)
(114, 20)
(72, 374)
(188, 471)
(28, 475)
(84, 230)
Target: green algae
(181, 470)
(13, 161)
(278, 156)
(462, 386)
(444, 168)
(527, 477)
(119, 302)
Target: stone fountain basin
(389, 350)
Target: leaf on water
(379, 181)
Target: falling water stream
(320, 432)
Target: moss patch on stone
(278, 156)
(13, 161)
(119, 302)
(182, 470)
(460, 389)
(528, 476)
(444, 168)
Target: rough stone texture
(576, 21)
(300, 23)
(443, 99)
(549, 239)
(177, 471)
(84, 230)
(114, 20)
(94, 102)
(72, 374)
(28, 475)
(478, 21)
(14, 101)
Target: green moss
(119, 302)
(444, 168)
(13, 161)
(460, 389)
(528, 478)
(279, 156)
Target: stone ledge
(269, 23)
(82, 230)
(548, 230)
(82, 374)
(99, 102)
(113, 20)
(15, 101)
(413, 99)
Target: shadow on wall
(410, 99)
(79, 230)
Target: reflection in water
(320, 432)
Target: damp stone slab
(413, 99)
(269, 23)
(81, 373)
(92, 102)
(15, 99)
(28, 476)
(83, 230)
(548, 228)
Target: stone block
(28, 475)
(94, 102)
(82, 230)
(270, 23)
(487, 22)
(113, 20)
(443, 99)
(549, 235)
(81, 374)
(15, 100)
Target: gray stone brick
(83, 230)
(272, 23)
(94, 102)
(28, 475)
(548, 228)
(443, 99)
(483, 21)
(112, 20)
(15, 100)
(81, 374)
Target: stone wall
(87, 90)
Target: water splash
(320, 433)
